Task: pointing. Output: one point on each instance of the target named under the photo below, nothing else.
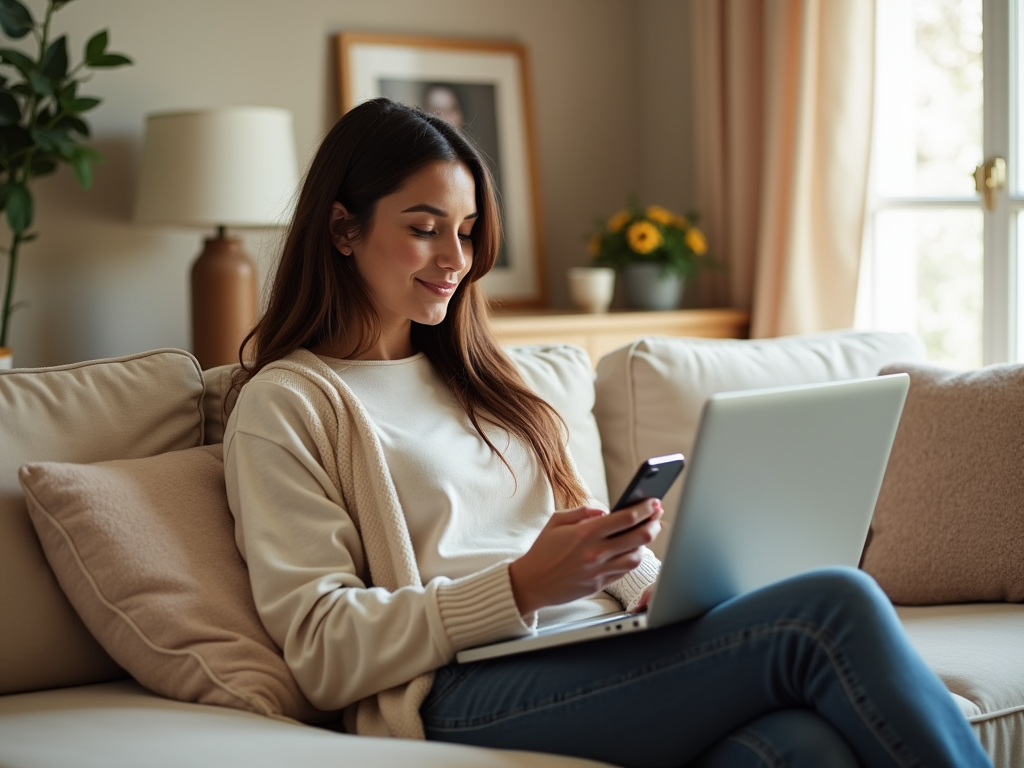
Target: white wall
(609, 85)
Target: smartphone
(652, 480)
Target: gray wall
(610, 85)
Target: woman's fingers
(572, 516)
(624, 519)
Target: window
(938, 261)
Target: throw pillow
(948, 526)
(145, 551)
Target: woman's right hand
(578, 554)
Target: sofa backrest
(131, 407)
(650, 393)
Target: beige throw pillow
(145, 551)
(949, 523)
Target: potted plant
(654, 248)
(41, 125)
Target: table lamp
(219, 168)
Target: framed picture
(483, 88)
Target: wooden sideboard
(601, 333)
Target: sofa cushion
(974, 649)
(120, 725)
(560, 373)
(145, 551)
(650, 393)
(564, 376)
(949, 521)
(140, 405)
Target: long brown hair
(317, 297)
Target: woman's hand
(578, 554)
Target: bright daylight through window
(941, 257)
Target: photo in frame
(483, 88)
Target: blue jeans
(812, 671)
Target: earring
(345, 251)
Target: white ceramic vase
(591, 288)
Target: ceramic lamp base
(223, 301)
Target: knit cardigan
(361, 476)
(353, 458)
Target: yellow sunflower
(659, 215)
(643, 237)
(697, 242)
(618, 221)
(594, 245)
(680, 222)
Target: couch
(70, 690)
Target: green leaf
(39, 81)
(15, 19)
(55, 60)
(58, 4)
(96, 47)
(22, 62)
(10, 111)
(82, 161)
(72, 123)
(83, 171)
(83, 104)
(5, 191)
(19, 209)
(109, 60)
(21, 89)
(54, 140)
(92, 155)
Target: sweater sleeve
(343, 638)
(630, 588)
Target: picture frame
(484, 87)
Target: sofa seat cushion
(948, 526)
(121, 725)
(975, 649)
(128, 407)
(650, 393)
(145, 551)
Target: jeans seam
(854, 694)
(759, 747)
(462, 674)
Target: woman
(394, 484)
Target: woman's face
(417, 247)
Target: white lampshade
(221, 167)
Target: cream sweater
(378, 544)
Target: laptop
(780, 481)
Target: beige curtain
(783, 111)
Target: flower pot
(6, 358)
(648, 288)
(591, 288)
